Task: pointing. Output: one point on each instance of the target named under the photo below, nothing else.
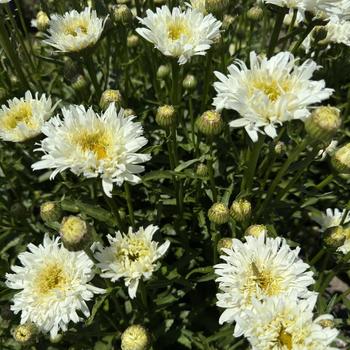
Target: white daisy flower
(23, 118)
(259, 268)
(178, 33)
(132, 257)
(338, 31)
(331, 218)
(75, 31)
(54, 285)
(283, 323)
(269, 93)
(94, 145)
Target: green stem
(92, 72)
(211, 171)
(129, 202)
(276, 32)
(115, 212)
(302, 38)
(208, 72)
(325, 182)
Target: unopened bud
(280, 147)
(218, 213)
(256, 230)
(128, 112)
(241, 210)
(80, 83)
(122, 15)
(42, 21)
(132, 41)
(224, 243)
(326, 323)
(227, 21)
(75, 233)
(135, 337)
(341, 160)
(216, 6)
(25, 334)
(50, 211)
(166, 116)
(319, 33)
(163, 71)
(110, 96)
(190, 82)
(210, 123)
(55, 339)
(202, 170)
(255, 14)
(334, 237)
(323, 123)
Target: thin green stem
(208, 72)
(129, 202)
(302, 38)
(211, 171)
(92, 72)
(325, 182)
(115, 212)
(276, 32)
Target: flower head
(135, 337)
(180, 34)
(285, 323)
(75, 31)
(331, 218)
(23, 118)
(54, 284)
(258, 269)
(132, 257)
(269, 93)
(94, 145)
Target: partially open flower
(256, 231)
(25, 334)
(50, 211)
(135, 337)
(75, 233)
(110, 96)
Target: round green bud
(202, 170)
(319, 33)
(122, 15)
(256, 230)
(80, 83)
(51, 211)
(42, 21)
(225, 242)
(255, 13)
(227, 21)
(216, 6)
(75, 233)
(280, 147)
(190, 82)
(166, 116)
(25, 334)
(210, 123)
(55, 339)
(341, 160)
(135, 337)
(323, 123)
(132, 41)
(110, 96)
(163, 71)
(241, 210)
(335, 237)
(219, 213)
(128, 112)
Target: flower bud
(216, 6)
(132, 41)
(163, 71)
(190, 82)
(122, 15)
(128, 112)
(42, 21)
(255, 13)
(225, 242)
(227, 21)
(50, 211)
(80, 83)
(55, 339)
(341, 160)
(218, 213)
(75, 233)
(135, 337)
(334, 237)
(280, 147)
(256, 230)
(210, 123)
(166, 116)
(326, 323)
(323, 123)
(241, 210)
(110, 96)
(202, 170)
(25, 334)
(319, 33)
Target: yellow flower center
(52, 277)
(76, 27)
(269, 88)
(21, 113)
(134, 250)
(176, 30)
(96, 142)
(285, 339)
